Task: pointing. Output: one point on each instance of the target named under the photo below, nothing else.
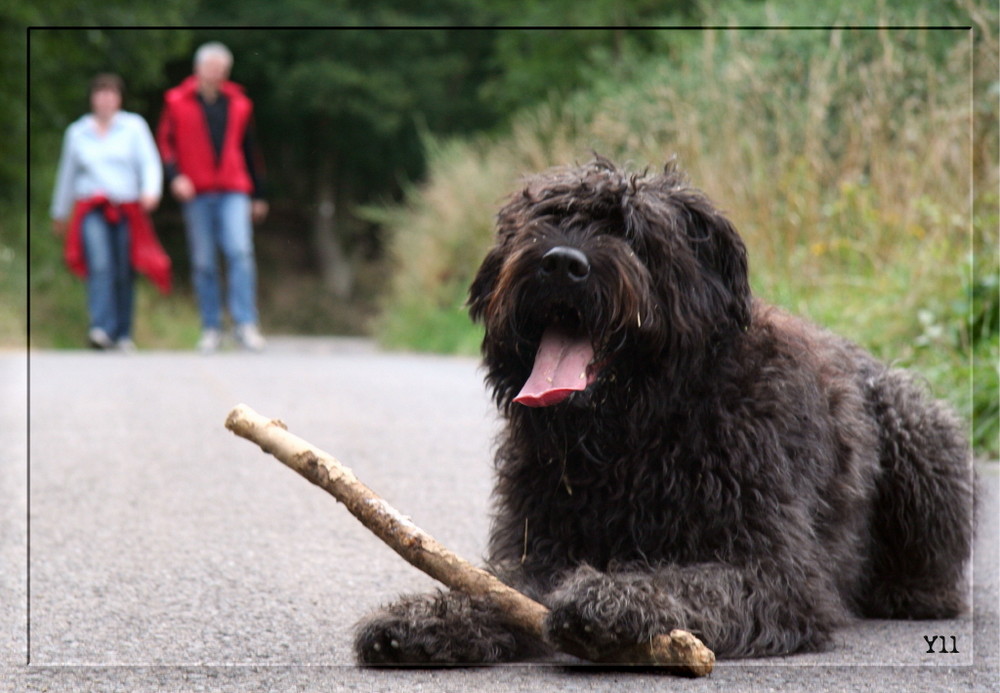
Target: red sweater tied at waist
(145, 252)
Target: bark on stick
(679, 651)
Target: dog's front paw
(599, 617)
(386, 638)
(443, 628)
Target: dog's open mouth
(562, 366)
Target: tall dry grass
(845, 157)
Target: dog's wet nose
(567, 264)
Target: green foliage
(983, 324)
(64, 61)
(439, 238)
(544, 60)
(13, 279)
(842, 155)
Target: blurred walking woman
(109, 180)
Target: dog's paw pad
(572, 630)
(383, 641)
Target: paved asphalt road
(167, 554)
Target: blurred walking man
(206, 141)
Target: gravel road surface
(146, 548)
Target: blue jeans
(109, 275)
(221, 221)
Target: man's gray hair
(213, 48)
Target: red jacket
(145, 252)
(184, 142)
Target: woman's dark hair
(107, 80)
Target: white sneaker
(99, 339)
(249, 337)
(126, 345)
(210, 341)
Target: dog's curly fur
(732, 470)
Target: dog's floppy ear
(510, 217)
(720, 250)
(700, 250)
(484, 283)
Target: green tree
(560, 46)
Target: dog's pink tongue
(560, 370)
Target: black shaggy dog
(679, 454)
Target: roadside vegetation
(843, 156)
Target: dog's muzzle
(563, 362)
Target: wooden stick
(681, 651)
